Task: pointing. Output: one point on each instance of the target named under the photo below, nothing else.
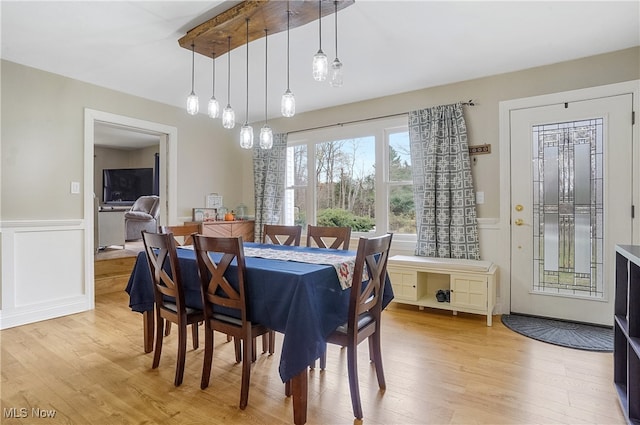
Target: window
(357, 175)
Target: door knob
(519, 207)
(519, 222)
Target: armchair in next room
(143, 216)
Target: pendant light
(193, 105)
(214, 106)
(228, 115)
(320, 61)
(266, 134)
(246, 132)
(288, 105)
(336, 65)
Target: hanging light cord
(213, 74)
(247, 104)
(288, 67)
(193, 54)
(228, 70)
(320, 22)
(265, 75)
(336, 20)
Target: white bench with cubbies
(472, 283)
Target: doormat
(559, 332)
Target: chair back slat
(185, 231)
(338, 237)
(215, 286)
(164, 266)
(373, 254)
(282, 235)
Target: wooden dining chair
(328, 237)
(278, 235)
(218, 291)
(282, 235)
(183, 235)
(365, 310)
(167, 282)
(184, 231)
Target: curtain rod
(340, 124)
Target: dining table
(301, 292)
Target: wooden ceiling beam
(212, 35)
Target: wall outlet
(75, 187)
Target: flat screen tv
(123, 186)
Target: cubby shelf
(626, 346)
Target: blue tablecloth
(303, 301)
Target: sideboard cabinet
(228, 229)
(626, 335)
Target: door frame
(168, 177)
(505, 108)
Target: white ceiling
(387, 47)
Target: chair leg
(194, 335)
(238, 348)
(272, 342)
(247, 345)
(254, 349)
(265, 342)
(376, 352)
(208, 357)
(323, 359)
(354, 387)
(287, 388)
(159, 338)
(167, 329)
(182, 351)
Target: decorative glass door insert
(568, 208)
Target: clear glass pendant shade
(228, 117)
(193, 105)
(320, 66)
(288, 105)
(336, 73)
(266, 137)
(246, 136)
(214, 108)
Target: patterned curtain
(442, 184)
(269, 172)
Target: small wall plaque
(213, 201)
(479, 149)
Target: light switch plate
(75, 187)
(479, 198)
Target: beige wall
(482, 120)
(42, 138)
(42, 132)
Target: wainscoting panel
(43, 271)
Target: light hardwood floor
(440, 369)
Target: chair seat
(138, 215)
(228, 319)
(363, 320)
(190, 311)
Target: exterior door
(571, 202)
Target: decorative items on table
(241, 212)
(204, 214)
